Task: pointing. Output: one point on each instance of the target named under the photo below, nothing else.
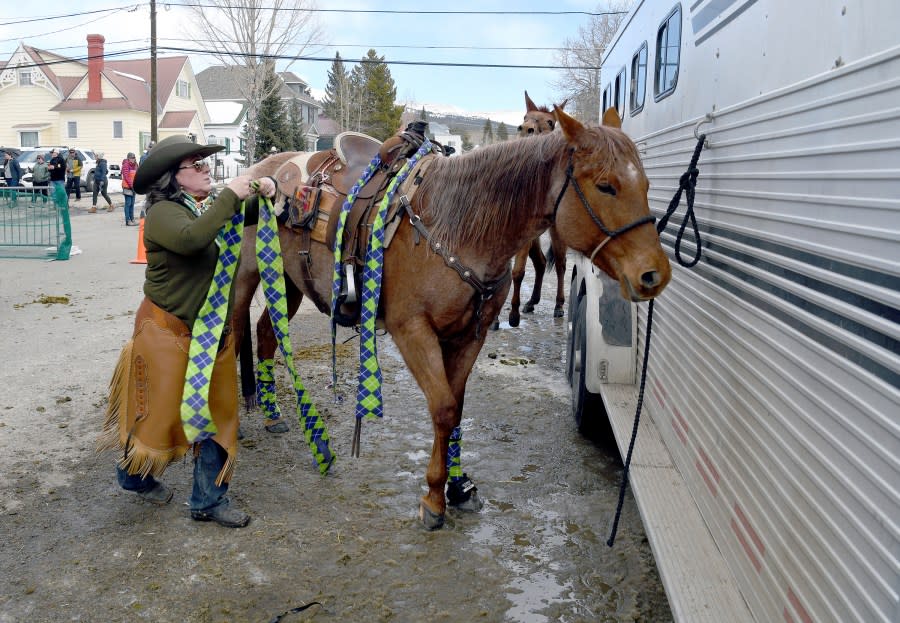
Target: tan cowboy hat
(165, 156)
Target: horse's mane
(541, 108)
(481, 195)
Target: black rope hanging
(687, 185)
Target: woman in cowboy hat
(148, 392)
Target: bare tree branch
(251, 35)
(582, 86)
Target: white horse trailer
(767, 462)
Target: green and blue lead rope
(196, 419)
(369, 402)
(271, 271)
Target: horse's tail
(248, 374)
(551, 257)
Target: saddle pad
(292, 174)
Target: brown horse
(538, 120)
(476, 211)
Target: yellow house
(99, 105)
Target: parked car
(29, 157)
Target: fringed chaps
(143, 417)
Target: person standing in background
(129, 168)
(40, 176)
(101, 181)
(73, 175)
(57, 166)
(12, 172)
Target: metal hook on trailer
(707, 118)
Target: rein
(484, 291)
(570, 177)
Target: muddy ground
(74, 547)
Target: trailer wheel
(587, 408)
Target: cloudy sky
(400, 30)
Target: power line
(285, 57)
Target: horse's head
(538, 119)
(604, 212)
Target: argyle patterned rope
(196, 419)
(337, 280)
(271, 271)
(368, 390)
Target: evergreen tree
(297, 128)
(502, 134)
(338, 101)
(487, 134)
(382, 115)
(271, 121)
(423, 116)
(467, 143)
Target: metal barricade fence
(34, 225)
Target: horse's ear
(564, 102)
(529, 105)
(571, 127)
(611, 118)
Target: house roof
(223, 82)
(177, 119)
(327, 126)
(130, 78)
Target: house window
(638, 80)
(28, 139)
(25, 78)
(183, 89)
(144, 140)
(117, 129)
(73, 129)
(620, 93)
(668, 45)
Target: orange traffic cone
(141, 257)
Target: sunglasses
(197, 165)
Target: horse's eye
(550, 123)
(607, 189)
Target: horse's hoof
(462, 494)
(473, 505)
(514, 320)
(431, 521)
(278, 427)
(558, 312)
(528, 308)
(495, 326)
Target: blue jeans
(129, 208)
(206, 494)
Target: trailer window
(606, 100)
(620, 93)
(638, 79)
(668, 45)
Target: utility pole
(153, 112)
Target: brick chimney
(95, 67)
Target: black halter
(570, 177)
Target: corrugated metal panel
(774, 367)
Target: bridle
(570, 177)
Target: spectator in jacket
(40, 176)
(129, 168)
(12, 172)
(101, 182)
(57, 166)
(73, 175)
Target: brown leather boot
(93, 210)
